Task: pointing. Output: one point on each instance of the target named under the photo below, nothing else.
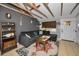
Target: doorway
(68, 29)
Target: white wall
(58, 28)
(70, 32)
(53, 32)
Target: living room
(27, 24)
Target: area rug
(22, 51)
(31, 51)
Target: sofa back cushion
(46, 32)
(31, 33)
(35, 33)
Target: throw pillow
(35, 33)
(28, 36)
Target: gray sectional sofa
(28, 38)
(25, 40)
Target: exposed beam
(32, 6)
(21, 4)
(61, 9)
(32, 12)
(74, 8)
(19, 7)
(26, 10)
(36, 6)
(25, 6)
(48, 9)
(14, 9)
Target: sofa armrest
(24, 40)
(53, 37)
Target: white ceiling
(55, 9)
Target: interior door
(68, 29)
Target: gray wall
(77, 34)
(17, 17)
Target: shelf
(8, 30)
(6, 38)
(7, 25)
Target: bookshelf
(7, 36)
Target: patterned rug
(22, 51)
(31, 51)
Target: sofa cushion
(35, 33)
(53, 37)
(28, 36)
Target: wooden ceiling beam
(61, 9)
(32, 12)
(14, 9)
(25, 6)
(20, 7)
(28, 11)
(32, 6)
(48, 9)
(74, 8)
(36, 6)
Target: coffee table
(42, 43)
(51, 52)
